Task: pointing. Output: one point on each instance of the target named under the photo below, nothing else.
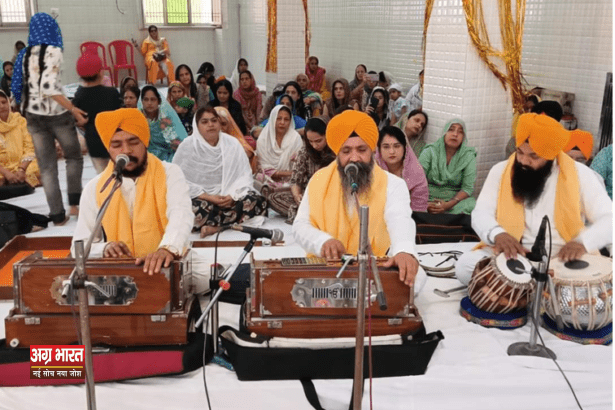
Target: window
(182, 12)
(15, 13)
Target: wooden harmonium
(302, 298)
(127, 307)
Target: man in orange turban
(580, 146)
(150, 217)
(327, 222)
(538, 180)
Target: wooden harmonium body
(302, 298)
(127, 307)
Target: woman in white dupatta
(276, 148)
(218, 175)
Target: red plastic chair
(94, 47)
(119, 58)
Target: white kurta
(179, 211)
(596, 210)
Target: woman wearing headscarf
(155, 50)
(413, 125)
(340, 90)
(218, 175)
(250, 98)
(224, 98)
(240, 66)
(314, 155)
(312, 100)
(293, 89)
(228, 126)
(450, 168)
(277, 146)
(378, 107)
(182, 105)
(37, 86)
(287, 100)
(394, 155)
(17, 160)
(166, 129)
(316, 75)
(359, 73)
(19, 45)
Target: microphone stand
(78, 280)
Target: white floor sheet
(470, 369)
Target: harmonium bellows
(127, 306)
(302, 298)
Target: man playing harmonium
(539, 179)
(327, 222)
(151, 217)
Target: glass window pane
(201, 12)
(177, 11)
(153, 12)
(13, 11)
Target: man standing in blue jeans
(48, 113)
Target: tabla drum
(499, 285)
(582, 292)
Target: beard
(363, 178)
(139, 170)
(528, 183)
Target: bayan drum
(582, 292)
(499, 285)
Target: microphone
(539, 248)
(275, 235)
(120, 163)
(352, 170)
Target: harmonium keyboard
(127, 307)
(302, 298)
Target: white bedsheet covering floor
(470, 369)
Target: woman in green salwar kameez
(450, 168)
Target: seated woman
(224, 98)
(126, 82)
(276, 147)
(131, 97)
(166, 129)
(413, 125)
(204, 94)
(183, 106)
(359, 73)
(450, 168)
(287, 100)
(218, 175)
(240, 67)
(183, 74)
(228, 126)
(314, 154)
(394, 155)
(293, 89)
(250, 98)
(311, 99)
(341, 97)
(155, 50)
(316, 75)
(17, 160)
(378, 107)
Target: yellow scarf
(510, 214)
(144, 232)
(329, 213)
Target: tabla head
(587, 268)
(517, 270)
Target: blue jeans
(45, 129)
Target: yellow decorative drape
(308, 32)
(511, 31)
(428, 9)
(271, 65)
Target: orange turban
(344, 124)
(546, 136)
(583, 140)
(127, 119)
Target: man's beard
(138, 171)
(363, 178)
(527, 183)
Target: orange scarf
(329, 213)
(510, 214)
(143, 233)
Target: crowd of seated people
(243, 154)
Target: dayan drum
(499, 285)
(582, 292)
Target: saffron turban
(583, 140)
(343, 125)
(546, 136)
(127, 119)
